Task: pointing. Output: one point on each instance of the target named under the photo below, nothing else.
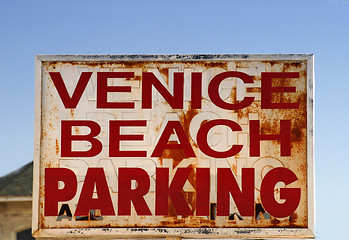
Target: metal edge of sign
(37, 137)
(174, 57)
(310, 142)
(197, 233)
(239, 233)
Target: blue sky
(320, 27)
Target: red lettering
(213, 90)
(196, 90)
(284, 137)
(53, 194)
(267, 90)
(67, 138)
(183, 139)
(291, 196)
(202, 138)
(103, 89)
(202, 191)
(70, 102)
(149, 80)
(226, 184)
(136, 196)
(174, 192)
(165, 192)
(95, 177)
(115, 138)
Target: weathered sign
(199, 146)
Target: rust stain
(43, 134)
(157, 129)
(243, 113)
(296, 134)
(253, 90)
(275, 221)
(164, 73)
(266, 127)
(234, 169)
(186, 118)
(176, 155)
(293, 218)
(41, 197)
(217, 64)
(232, 96)
(42, 221)
(292, 65)
(171, 210)
(77, 130)
(57, 147)
(192, 177)
(136, 64)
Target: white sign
(199, 146)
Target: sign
(198, 146)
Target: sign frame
(238, 233)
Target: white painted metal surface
(160, 115)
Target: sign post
(174, 146)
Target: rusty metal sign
(196, 146)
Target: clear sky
(320, 27)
